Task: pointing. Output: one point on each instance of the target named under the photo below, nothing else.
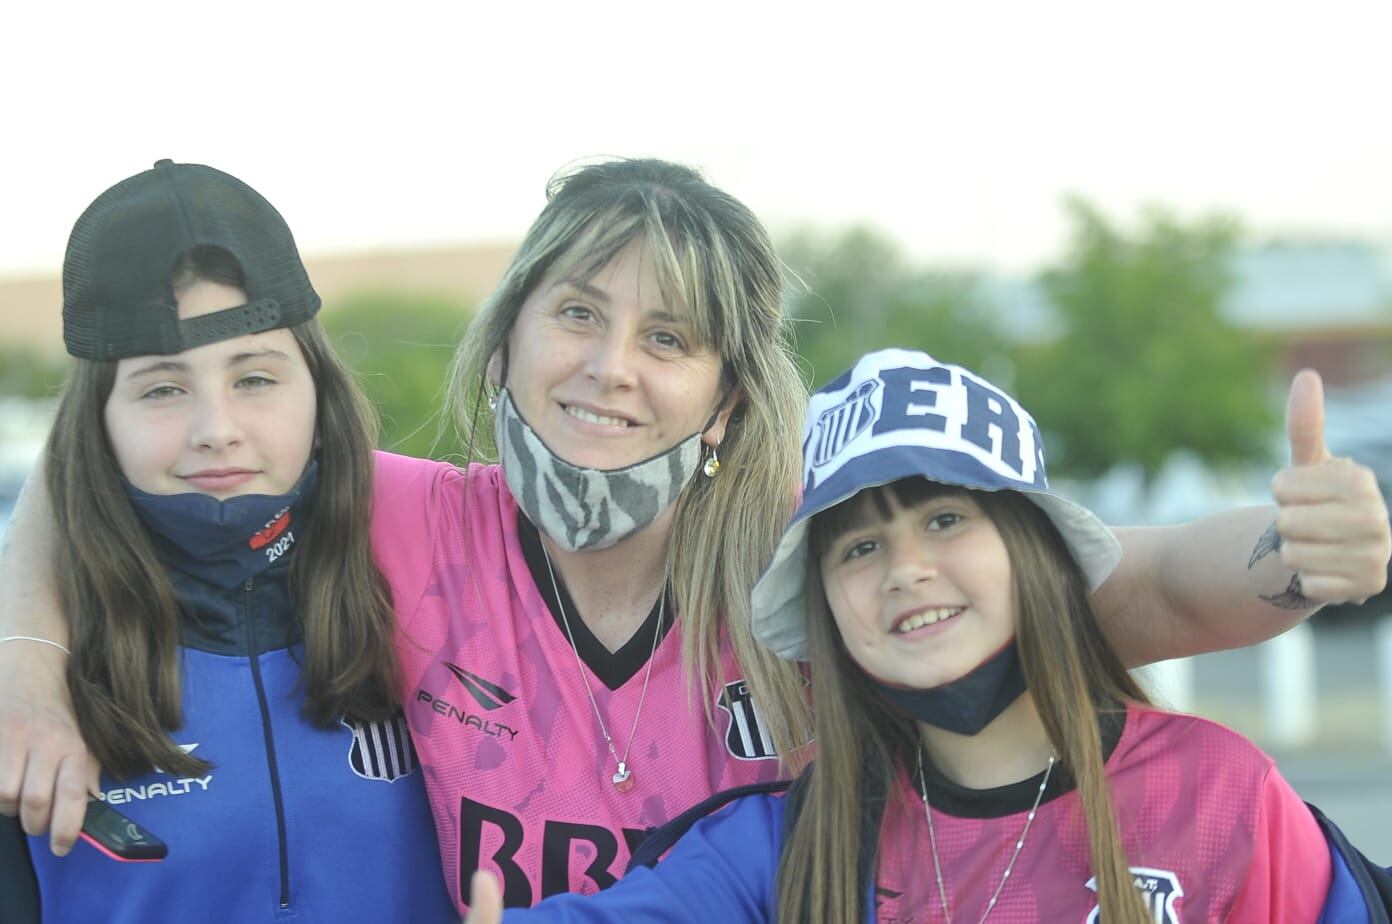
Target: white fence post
(1170, 683)
(1383, 632)
(1288, 676)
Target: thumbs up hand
(1305, 419)
(1332, 520)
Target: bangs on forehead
(869, 506)
(685, 272)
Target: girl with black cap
(210, 469)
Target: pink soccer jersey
(517, 770)
(1212, 831)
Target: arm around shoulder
(722, 870)
(45, 769)
(408, 497)
(28, 591)
(1197, 587)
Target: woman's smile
(607, 372)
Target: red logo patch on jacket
(271, 531)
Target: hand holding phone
(118, 837)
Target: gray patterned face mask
(587, 508)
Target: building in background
(1326, 304)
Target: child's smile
(923, 595)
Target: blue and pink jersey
(517, 769)
(1211, 830)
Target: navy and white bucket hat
(898, 414)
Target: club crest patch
(1159, 888)
(381, 750)
(838, 425)
(746, 738)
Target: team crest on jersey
(381, 750)
(1159, 888)
(838, 425)
(747, 738)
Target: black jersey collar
(997, 802)
(613, 668)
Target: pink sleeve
(1290, 871)
(406, 512)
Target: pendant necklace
(623, 776)
(1019, 844)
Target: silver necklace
(623, 776)
(1019, 844)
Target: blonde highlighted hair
(714, 261)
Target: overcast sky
(957, 128)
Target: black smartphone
(118, 837)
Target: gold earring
(712, 463)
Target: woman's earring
(712, 465)
(492, 402)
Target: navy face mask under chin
(225, 542)
(969, 703)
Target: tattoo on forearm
(1292, 598)
(1269, 542)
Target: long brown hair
(863, 744)
(124, 675)
(714, 258)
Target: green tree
(400, 346)
(25, 373)
(858, 294)
(1144, 362)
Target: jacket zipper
(266, 730)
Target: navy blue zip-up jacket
(293, 823)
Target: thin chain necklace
(623, 776)
(1019, 844)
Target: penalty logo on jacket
(381, 750)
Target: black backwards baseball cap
(900, 414)
(117, 298)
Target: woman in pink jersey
(982, 752)
(646, 406)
